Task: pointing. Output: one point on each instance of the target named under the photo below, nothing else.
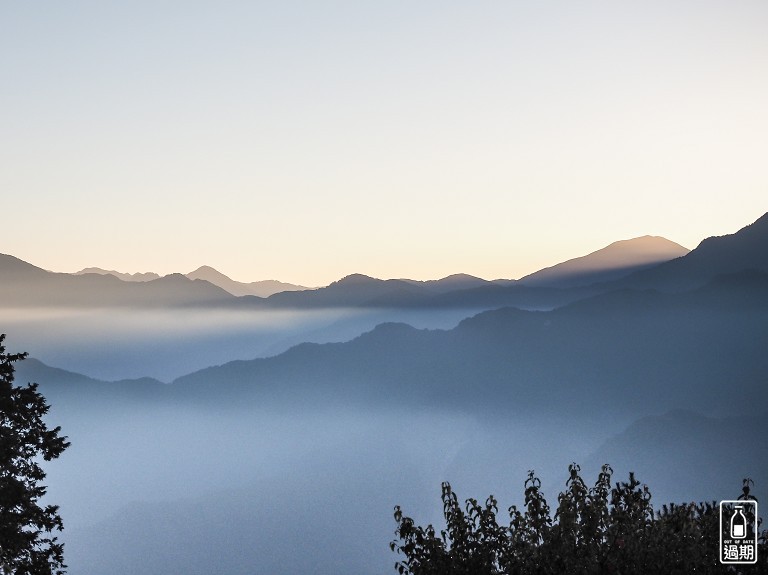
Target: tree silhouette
(594, 531)
(27, 545)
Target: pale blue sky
(304, 141)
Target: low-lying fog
(185, 491)
(113, 344)
(305, 481)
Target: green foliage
(594, 530)
(26, 544)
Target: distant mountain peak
(356, 279)
(717, 255)
(174, 278)
(126, 277)
(207, 269)
(264, 288)
(207, 273)
(13, 267)
(461, 278)
(614, 261)
(453, 282)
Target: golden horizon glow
(305, 142)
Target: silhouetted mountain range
(135, 277)
(263, 288)
(746, 249)
(625, 349)
(338, 424)
(450, 283)
(24, 284)
(612, 262)
(71, 392)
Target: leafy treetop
(593, 531)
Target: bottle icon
(738, 524)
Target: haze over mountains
(655, 369)
(264, 288)
(614, 261)
(134, 277)
(26, 285)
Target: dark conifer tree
(27, 544)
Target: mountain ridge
(631, 334)
(25, 284)
(648, 340)
(616, 260)
(262, 288)
(744, 249)
(126, 277)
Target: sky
(305, 141)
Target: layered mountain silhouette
(612, 262)
(674, 355)
(22, 284)
(355, 290)
(624, 350)
(451, 283)
(66, 389)
(634, 262)
(263, 288)
(620, 343)
(135, 277)
(746, 249)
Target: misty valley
(221, 433)
(116, 343)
